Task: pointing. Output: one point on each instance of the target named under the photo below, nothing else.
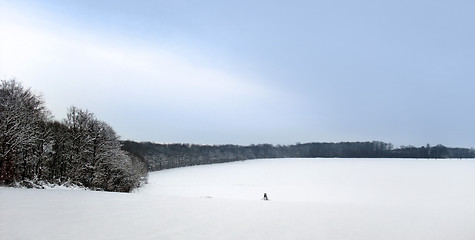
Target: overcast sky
(243, 72)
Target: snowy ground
(310, 199)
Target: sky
(248, 72)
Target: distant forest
(163, 156)
(82, 150)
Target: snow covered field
(310, 199)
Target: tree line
(163, 156)
(79, 150)
(85, 151)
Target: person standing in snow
(265, 197)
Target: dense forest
(80, 150)
(163, 156)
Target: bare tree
(96, 156)
(21, 115)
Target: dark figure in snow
(265, 197)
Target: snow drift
(309, 199)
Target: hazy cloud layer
(250, 72)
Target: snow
(309, 199)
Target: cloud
(144, 89)
(82, 68)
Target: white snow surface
(309, 199)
